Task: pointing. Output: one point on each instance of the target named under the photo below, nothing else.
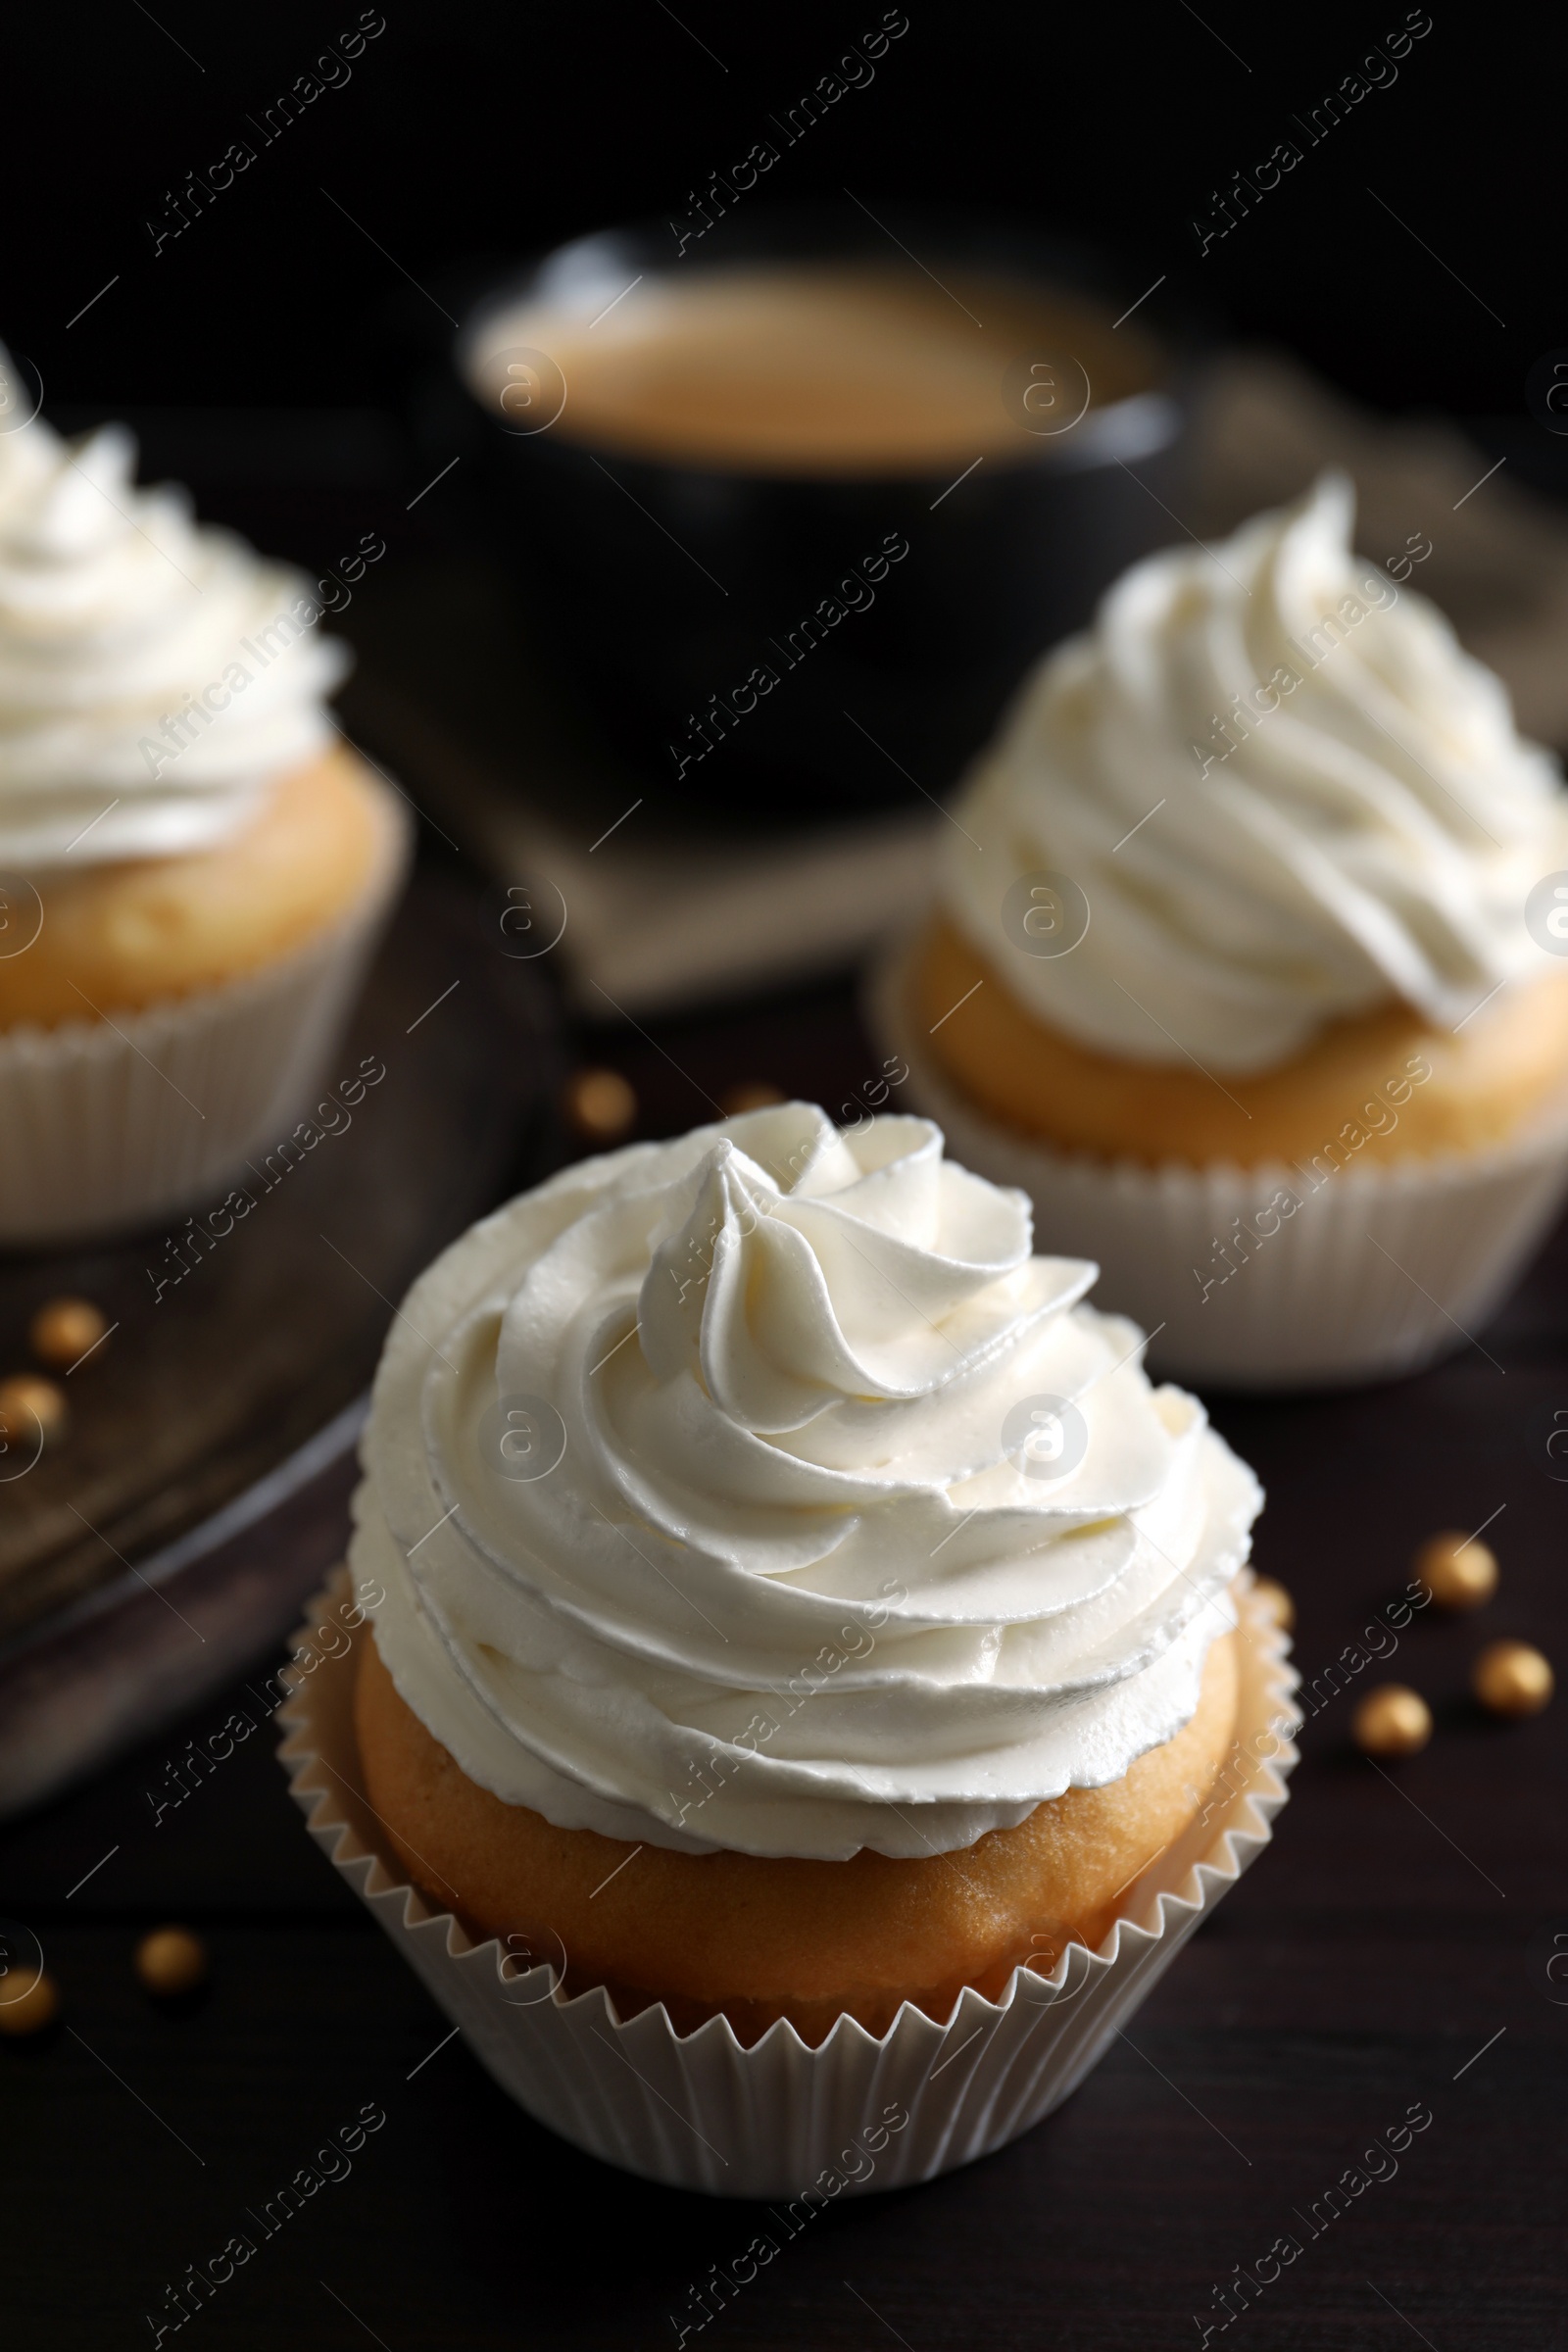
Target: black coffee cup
(837, 638)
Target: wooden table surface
(1389, 1950)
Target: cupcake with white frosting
(192, 864)
(797, 1618)
(1242, 960)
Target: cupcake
(1241, 962)
(799, 1630)
(193, 865)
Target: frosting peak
(761, 1490)
(155, 674)
(1286, 793)
(788, 1303)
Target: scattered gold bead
(1391, 1721)
(31, 2010)
(171, 1960)
(1512, 1679)
(1274, 1598)
(1459, 1571)
(752, 1094)
(64, 1329)
(27, 1404)
(600, 1105)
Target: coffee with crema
(824, 371)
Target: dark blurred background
(263, 351)
(462, 131)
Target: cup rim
(1138, 425)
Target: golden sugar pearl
(172, 1960)
(1459, 1571)
(27, 1404)
(31, 2011)
(1391, 1721)
(751, 1094)
(65, 1329)
(1510, 1677)
(600, 1105)
(1273, 1598)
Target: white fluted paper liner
(699, 2110)
(105, 1124)
(1379, 1270)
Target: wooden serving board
(237, 1342)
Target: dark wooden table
(1389, 1950)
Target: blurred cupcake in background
(1243, 961)
(193, 865)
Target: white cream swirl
(1286, 793)
(786, 1590)
(155, 674)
